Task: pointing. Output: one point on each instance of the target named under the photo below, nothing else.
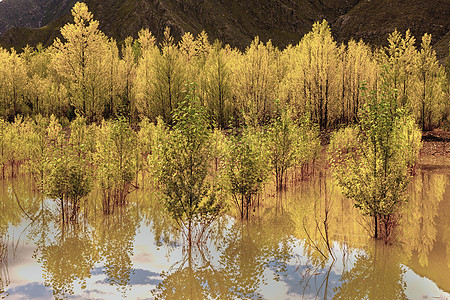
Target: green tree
(247, 168)
(69, 176)
(288, 145)
(371, 161)
(181, 165)
(115, 161)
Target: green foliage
(290, 145)
(69, 179)
(181, 164)
(67, 175)
(115, 161)
(371, 161)
(247, 167)
(15, 149)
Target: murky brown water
(279, 254)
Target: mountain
(232, 21)
(31, 13)
(373, 20)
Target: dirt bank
(436, 143)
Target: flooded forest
(189, 169)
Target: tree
(358, 66)
(255, 81)
(115, 160)
(68, 177)
(288, 145)
(181, 166)
(371, 161)
(13, 78)
(81, 61)
(127, 72)
(319, 63)
(169, 80)
(145, 74)
(217, 87)
(247, 168)
(428, 87)
(399, 55)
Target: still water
(280, 253)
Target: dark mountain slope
(31, 13)
(238, 22)
(235, 22)
(372, 20)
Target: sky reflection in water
(139, 256)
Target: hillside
(31, 13)
(237, 22)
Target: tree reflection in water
(418, 231)
(194, 277)
(66, 259)
(4, 274)
(269, 253)
(234, 268)
(114, 237)
(69, 252)
(376, 274)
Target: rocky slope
(233, 21)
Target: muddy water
(283, 252)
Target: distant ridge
(232, 21)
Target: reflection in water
(418, 232)
(4, 274)
(114, 237)
(17, 200)
(376, 274)
(194, 277)
(67, 259)
(318, 202)
(281, 252)
(443, 223)
(69, 252)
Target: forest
(209, 124)
(191, 169)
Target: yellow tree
(45, 94)
(127, 76)
(216, 87)
(13, 78)
(162, 77)
(170, 79)
(255, 81)
(317, 59)
(143, 87)
(399, 55)
(81, 60)
(189, 52)
(428, 89)
(292, 87)
(357, 67)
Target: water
(279, 254)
